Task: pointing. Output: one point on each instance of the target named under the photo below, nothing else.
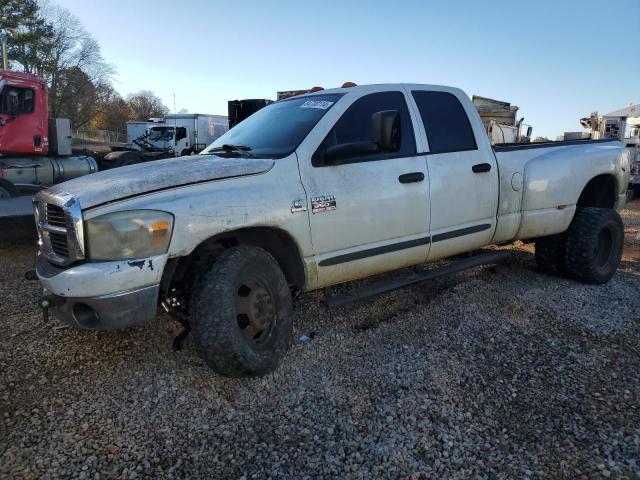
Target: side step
(386, 285)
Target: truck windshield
(160, 133)
(276, 130)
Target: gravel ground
(496, 373)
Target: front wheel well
(600, 192)
(277, 242)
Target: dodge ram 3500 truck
(311, 191)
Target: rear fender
(554, 182)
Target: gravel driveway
(496, 373)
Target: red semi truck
(35, 151)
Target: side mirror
(386, 130)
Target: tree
(52, 43)
(76, 98)
(145, 104)
(73, 50)
(540, 139)
(30, 35)
(112, 113)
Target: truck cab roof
(20, 78)
(377, 87)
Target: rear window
(445, 122)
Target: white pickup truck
(312, 191)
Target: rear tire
(7, 189)
(594, 245)
(242, 313)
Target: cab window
(375, 127)
(181, 132)
(445, 122)
(16, 101)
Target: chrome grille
(60, 229)
(59, 243)
(55, 216)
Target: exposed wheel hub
(260, 308)
(256, 312)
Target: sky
(557, 60)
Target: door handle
(298, 206)
(411, 177)
(481, 167)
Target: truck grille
(59, 244)
(55, 216)
(60, 228)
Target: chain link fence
(98, 136)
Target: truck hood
(123, 182)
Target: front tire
(242, 313)
(594, 245)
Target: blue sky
(557, 60)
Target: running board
(387, 285)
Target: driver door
(368, 210)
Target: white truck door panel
(463, 174)
(367, 214)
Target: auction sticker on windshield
(321, 104)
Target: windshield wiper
(244, 149)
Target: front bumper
(106, 312)
(103, 295)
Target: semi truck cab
(35, 151)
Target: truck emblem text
(324, 203)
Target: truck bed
(510, 147)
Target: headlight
(129, 234)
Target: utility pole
(3, 41)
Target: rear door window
(446, 123)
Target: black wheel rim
(604, 248)
(4, 193)
(255, 311)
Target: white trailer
(136, 128)
(202, 129)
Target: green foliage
(52, 43)
(30, 35)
